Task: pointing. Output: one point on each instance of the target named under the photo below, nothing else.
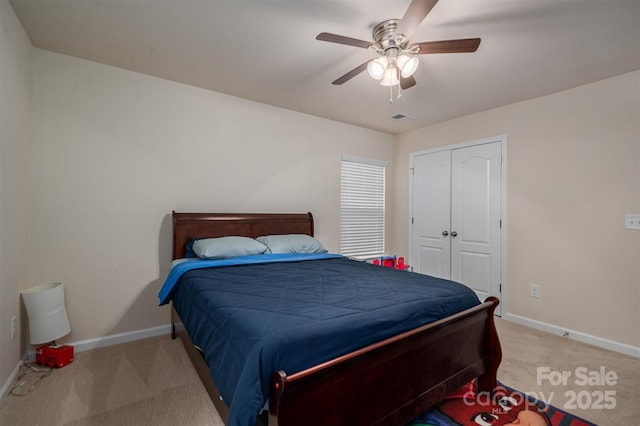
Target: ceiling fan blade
(348, 76)
(335, 38)
(408, 82)
(413, 17)
(464, 45)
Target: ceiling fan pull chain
(390, 94)
(399, 91)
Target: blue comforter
(258, 314)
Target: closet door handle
(445, 233)
(454, 234)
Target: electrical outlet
(13, 327)
(632, 221)
(534, 291)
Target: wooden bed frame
(387, 383)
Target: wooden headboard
(187, 226)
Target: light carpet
(152, 382)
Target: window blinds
(362, 208)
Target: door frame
(502, 139)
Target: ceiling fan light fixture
(377, 67)
(390, 77)
(397, 63)
(408, 65)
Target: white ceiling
(265, 50)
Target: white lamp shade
(408, 65)
(390, 77)
(376, 67)
(47, 314)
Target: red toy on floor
(54, 356)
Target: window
(362, 207)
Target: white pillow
(225, 247)
(292, 243)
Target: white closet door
(431, 250)
(456, 216)
(475, 219)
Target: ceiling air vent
(402, 117)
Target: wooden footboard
(391, 382)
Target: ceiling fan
(396, 62)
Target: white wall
(573, 171)
(15, 124)
(114, 152)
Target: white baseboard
(115, 339)
(576, 335)
(7, 384)
(112, 339)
